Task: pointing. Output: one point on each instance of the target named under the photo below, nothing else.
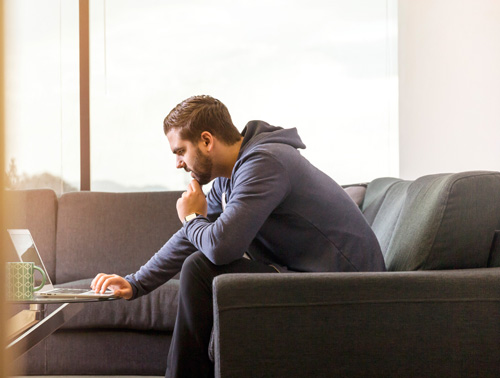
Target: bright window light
(328, 68)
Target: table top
(61, 300)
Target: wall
(449, 86)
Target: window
(325, 67)
(41, 94)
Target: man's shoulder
(270, 150)
(268, 160)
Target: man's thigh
(199, 262)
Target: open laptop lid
(27, 252)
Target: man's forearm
(165, 264)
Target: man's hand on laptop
(120, 286)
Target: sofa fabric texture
(445, 221)
(35, 210)
(435, 313)
(125, 229)
(80, 235)
(154, 312)
(495, 250)
(100, 352)
(395, 324)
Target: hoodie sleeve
(167, 262)
(260, 184)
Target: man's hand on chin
(192, 201)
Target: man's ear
(207, 140)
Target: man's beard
(202, 168)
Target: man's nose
(179, 163)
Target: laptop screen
(27, 252)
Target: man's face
(191, 157)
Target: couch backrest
(35, 210)
(111, 232)
(444, 221)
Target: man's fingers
(120, 287)
(108, 281)
(96, 279)
(195, 185)
(100, 280)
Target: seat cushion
(153, 312)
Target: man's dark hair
(202, 113)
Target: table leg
(43, 328)
(24, 320)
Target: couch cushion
(111, 232)
(154, 312)
(35, 210)
(356, 192)
(375, 195)
(494, 260)
(385, 213)
(444, 221)
(103, 353)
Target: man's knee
(195, 260)
(195, 264)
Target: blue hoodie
(276, 207)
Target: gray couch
(84, 233)
(435, 313)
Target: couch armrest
(425, 323)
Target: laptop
(28, 252)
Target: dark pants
(188, 355)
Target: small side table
(29, 327)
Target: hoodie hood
(260, 132)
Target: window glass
(41, 94)
(325, 67)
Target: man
(269, 210)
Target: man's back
(311, 224)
